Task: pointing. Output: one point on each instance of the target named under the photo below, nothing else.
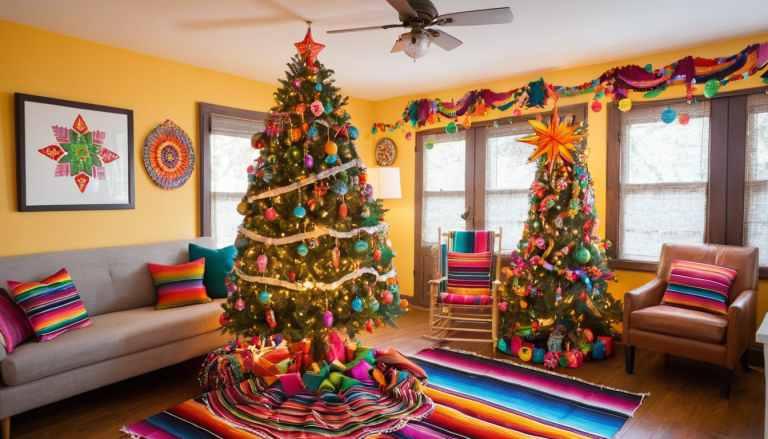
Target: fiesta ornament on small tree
(558, 280)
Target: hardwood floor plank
(684, 402)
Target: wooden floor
(684, 399)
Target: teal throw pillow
(218, 264)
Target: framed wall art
(73, 156)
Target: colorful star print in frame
(73, 155)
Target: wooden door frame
(205, 111)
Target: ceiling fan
(419, 15)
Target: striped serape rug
(479, 397)
(473, 396)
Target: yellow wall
(401, 216)
(156, 90)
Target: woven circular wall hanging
(169, 156)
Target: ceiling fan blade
(360, 29)
(398, 47)
(403, 8)
(445, 41)
(476, 18)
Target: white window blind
(756, 176)
(664, 180)
(231, 153)
(443, 197)
(508, 180)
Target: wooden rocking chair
(466, 286)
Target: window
(482, 169)
(706, 182)
(756, 178)
(663, 182)
(226, 153)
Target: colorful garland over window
(616, 83)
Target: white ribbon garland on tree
(319, 231)
(302, 183)
(317, 285)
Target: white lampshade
(385, 182)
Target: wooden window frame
(205, 112)
(725, 193)
(476, 144)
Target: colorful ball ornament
(270, 214)
(403, 303)
(312, 133)
(357, 304)
(328, 319)
(451, 128)
(309, 161)
(271, 319)
(312, 204)
(582, 255)
(597, 106)
(684, 119)
(430, 144)
(327, 108)
(361, 246)
(316, 108)
(299, 212)
(387, 297)
(239, 305)
(302, 250)
(293, 154)
(343, 210)
(711, 88)
(242, 208)
(377, 255)
(319, 87)
(256, 141)
(261, 262)
(668, 115)
(331, 148)
(264, 297)
(354, 133)
(374, 305)
(223, 319)
(525, 353)
(625, 105)
(297, 82)
(369, 326)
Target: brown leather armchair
(695, 334)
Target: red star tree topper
(307, 48)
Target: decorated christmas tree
(313, 253)
(559, 274)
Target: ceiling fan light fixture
(416, 43)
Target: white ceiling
(254, 38)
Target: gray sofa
(128, 336)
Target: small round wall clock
(386, 152)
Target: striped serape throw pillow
(52, 305)
(469, 274)
(699, 286)
(179, 285)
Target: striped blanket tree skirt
(473, 396)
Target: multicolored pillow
(699, 286)
(179, 285)
(469, 274)
(14, 325)
(53, 305)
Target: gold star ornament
(555, 140)
(307, 48)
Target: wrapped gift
(315, 375)
(538, 355)
(360, 372)
(551, 359)
(598, 350)
(608, 340)
(291, 383)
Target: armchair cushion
(680, 322)
(699, 286)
